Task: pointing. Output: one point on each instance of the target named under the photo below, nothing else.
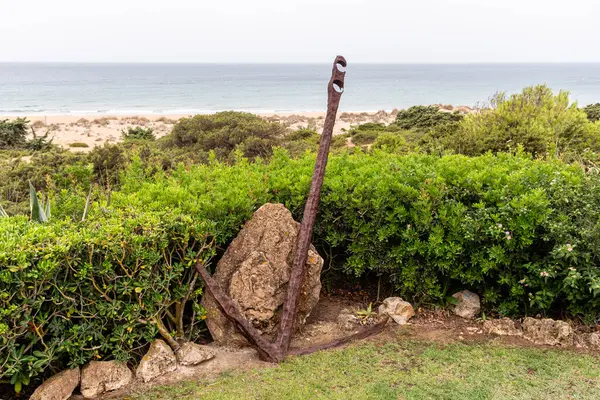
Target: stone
(588, 340)
(502, 327)
(99, 377)
(254, 272)
(468, 304)
(548, 331)
(347, 321)
(58, 387)
(193, 354)
(399, 310)
(159, 360)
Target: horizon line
(303, 63)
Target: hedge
(522, 233)
(73, 292)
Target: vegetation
(432, 203)
(403, 369)
(13, 135)
(593, 112)
(138, 133)
(73, 292)
(425, 118)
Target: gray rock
(502, 327)
(58, 387)
(193, 354)
(588, 340)
(254, 272)
(104, 376)
(548, 331)
(159, 360)
(468, 304)
(398, 310)
(347, 321)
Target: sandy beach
(83, 132)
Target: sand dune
(82, 133)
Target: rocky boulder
(193, 354)
(99, 377)
(502, 327)
(254, 272)
(58, 387)
(468, 304)
(398, 310)
(588, 340)
(548, 331)
(159, 360)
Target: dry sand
(82, 133)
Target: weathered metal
(335, 89)
(266, 350)
(276, 352)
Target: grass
(408, 369)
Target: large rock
(104, 376)
(399, 310)
(58, 387)
(159, 360)
(193, 354)
(548, 331)
(254, 272)
(468, 304)
(502, 327)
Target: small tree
(593, 112)
(13, 134)
(536, 119)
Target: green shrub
(78, 145)
(362, 138)
(392, 143)
(424, 118)
(431, 225)
(593, 112)
(13, 134)
(224, 132)
(536, 119)
(74, 292)
(138, 133)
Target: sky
(366, 31)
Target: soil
(439, 326)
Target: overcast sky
(396, 31)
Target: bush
(494, 224)
(74, 292)
(138, 133)
(539, 121)
(13, 134)
(225, 132)
(522, 233)
(593, 112)
(78, 145)
(424, 118)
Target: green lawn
(408, 369)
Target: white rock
(193, 354)
(99, 377)
(58, 387)
(399, 310)
(158, 360)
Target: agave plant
(39, 212)
(3, 213)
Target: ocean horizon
(33, 89)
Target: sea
(122, 89)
